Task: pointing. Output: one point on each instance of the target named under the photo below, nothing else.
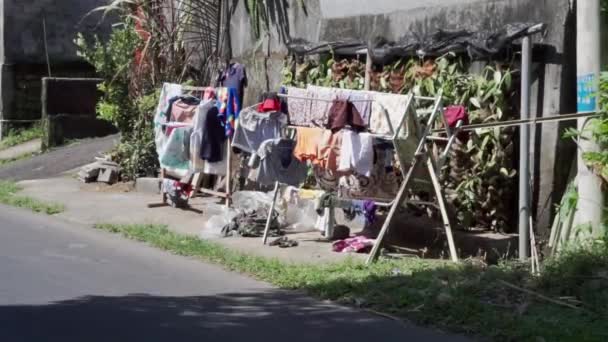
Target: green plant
(21, 136)
(113, 62)
(464, 297)
(8, 196)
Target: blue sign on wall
(586, 93)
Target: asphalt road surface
(59, 160)
(62, 282)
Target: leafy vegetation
(480, 174)
(17, 137)
(8, 196)
(469, 298)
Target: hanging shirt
(254, 128)
(213, 137)
(229, 108)
(307, 143)
(342, 114)
(357, 153)
(276, 163)
(167, 92)
(207, 139)
(235, 76)
(183, 109)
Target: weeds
(8, 196)
(467, 297)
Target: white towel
(357, 153)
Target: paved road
(61, 282)
(59, 160)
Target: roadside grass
(4, 162)
(21, 136)
(9, 196)
(468, 297)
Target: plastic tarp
(477, 44)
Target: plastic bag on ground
(213, 226)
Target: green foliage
(20, 136)
(113, 62)
(8, 196)
(464, 297)
(137, 152)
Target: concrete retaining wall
(69, 110)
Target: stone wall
(23, 51)
(554, 76)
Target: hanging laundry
(174, 156)
(299, 107)
(387, 108)
(319, 108)
(307, 143)
(328, 155)
(254, 128)
(344, 114)
(229, 108)
(234, 76)
(359, 244)
(453, 114)
(209, 93)
(167, 92)
(357, 153)
(362, 100)
(183, 109)
(276, 163)
(208, 139)
(269, 102)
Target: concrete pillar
(590, 202)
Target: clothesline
(318, 99)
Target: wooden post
(368, 71)
(272, 206)
(442, 208)
(389, 218)
(228, 172)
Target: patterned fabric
(386, 104)
(229, 108)
(175, 154)
(299, 109)
(168, 92)
(359, 244)
(319, 110)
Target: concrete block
(148, 185)
(108, 175)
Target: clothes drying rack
(411, 162)
(196, 179)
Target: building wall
(23, 50)
(554, 70)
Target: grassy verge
(12, 160)
(21, 136)
(8, 196)
(465, 298)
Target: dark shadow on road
(261, 316)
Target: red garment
(453, 114)
(270, 105)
